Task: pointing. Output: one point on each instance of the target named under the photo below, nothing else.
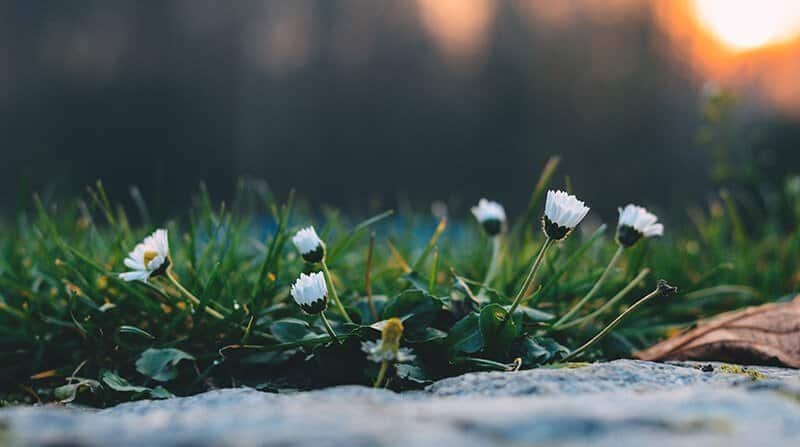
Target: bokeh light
(746, 24)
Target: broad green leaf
(416, 280)
(160, 392)
(69, 392)
(535, 351)
(465, 336)
(161, 364)
(497, 332)
(364, 310)
(290, 329)
(121, 385)
(533, 315)
(414, 307)
(425, 335)
(118, 383)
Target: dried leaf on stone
(765, 335)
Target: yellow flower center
(149, 256)
(392, 333)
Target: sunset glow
(746, 24)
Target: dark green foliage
(71, 330)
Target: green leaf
(416, 280)
(497, 332)
(160, 364)
(69, 392)
(160, 392)
(121, 385)
(533, 315)
(117, 383)
(362, 305)
(535, 351)
(425, 335)
(465, 336)
(414, 307)
(290, 329)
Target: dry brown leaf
(763, 335)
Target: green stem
(611, 326)
(381, 374)
(332, 291)
(328, 326)
(191, 296)
(531, 276)
(482, 362)
(306, 343)
(609, 304)
(593, 291)
(494, 265)
(434, 270)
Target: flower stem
(191, 296)
(531, 276)
(609, 304)
(593, 291)
(332, 290)
(494, 265)
(381, 374)
(328, 326)
(612, 325)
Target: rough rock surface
(620, 403)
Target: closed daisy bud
(311, 247)
(311, 293)
(149, 258)
(665, 289)
(635, 223)
(562, 213)
(491, 216)
(388, 348)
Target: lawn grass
(71, 329)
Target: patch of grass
(71, 329)
(66, 318)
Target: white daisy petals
(488, 210)
(309, 288)
(641, 220)
(149, 257)
(564, 210)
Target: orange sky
(740, 44)
(743, 45)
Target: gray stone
(620, 403)
(629, 375)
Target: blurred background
(367, 103)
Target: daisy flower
(311, 293)
(388, 349)
(311, 247)
(149, 258)
(562, 213)
(378, 353)
(635, 223)
(491, 216)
